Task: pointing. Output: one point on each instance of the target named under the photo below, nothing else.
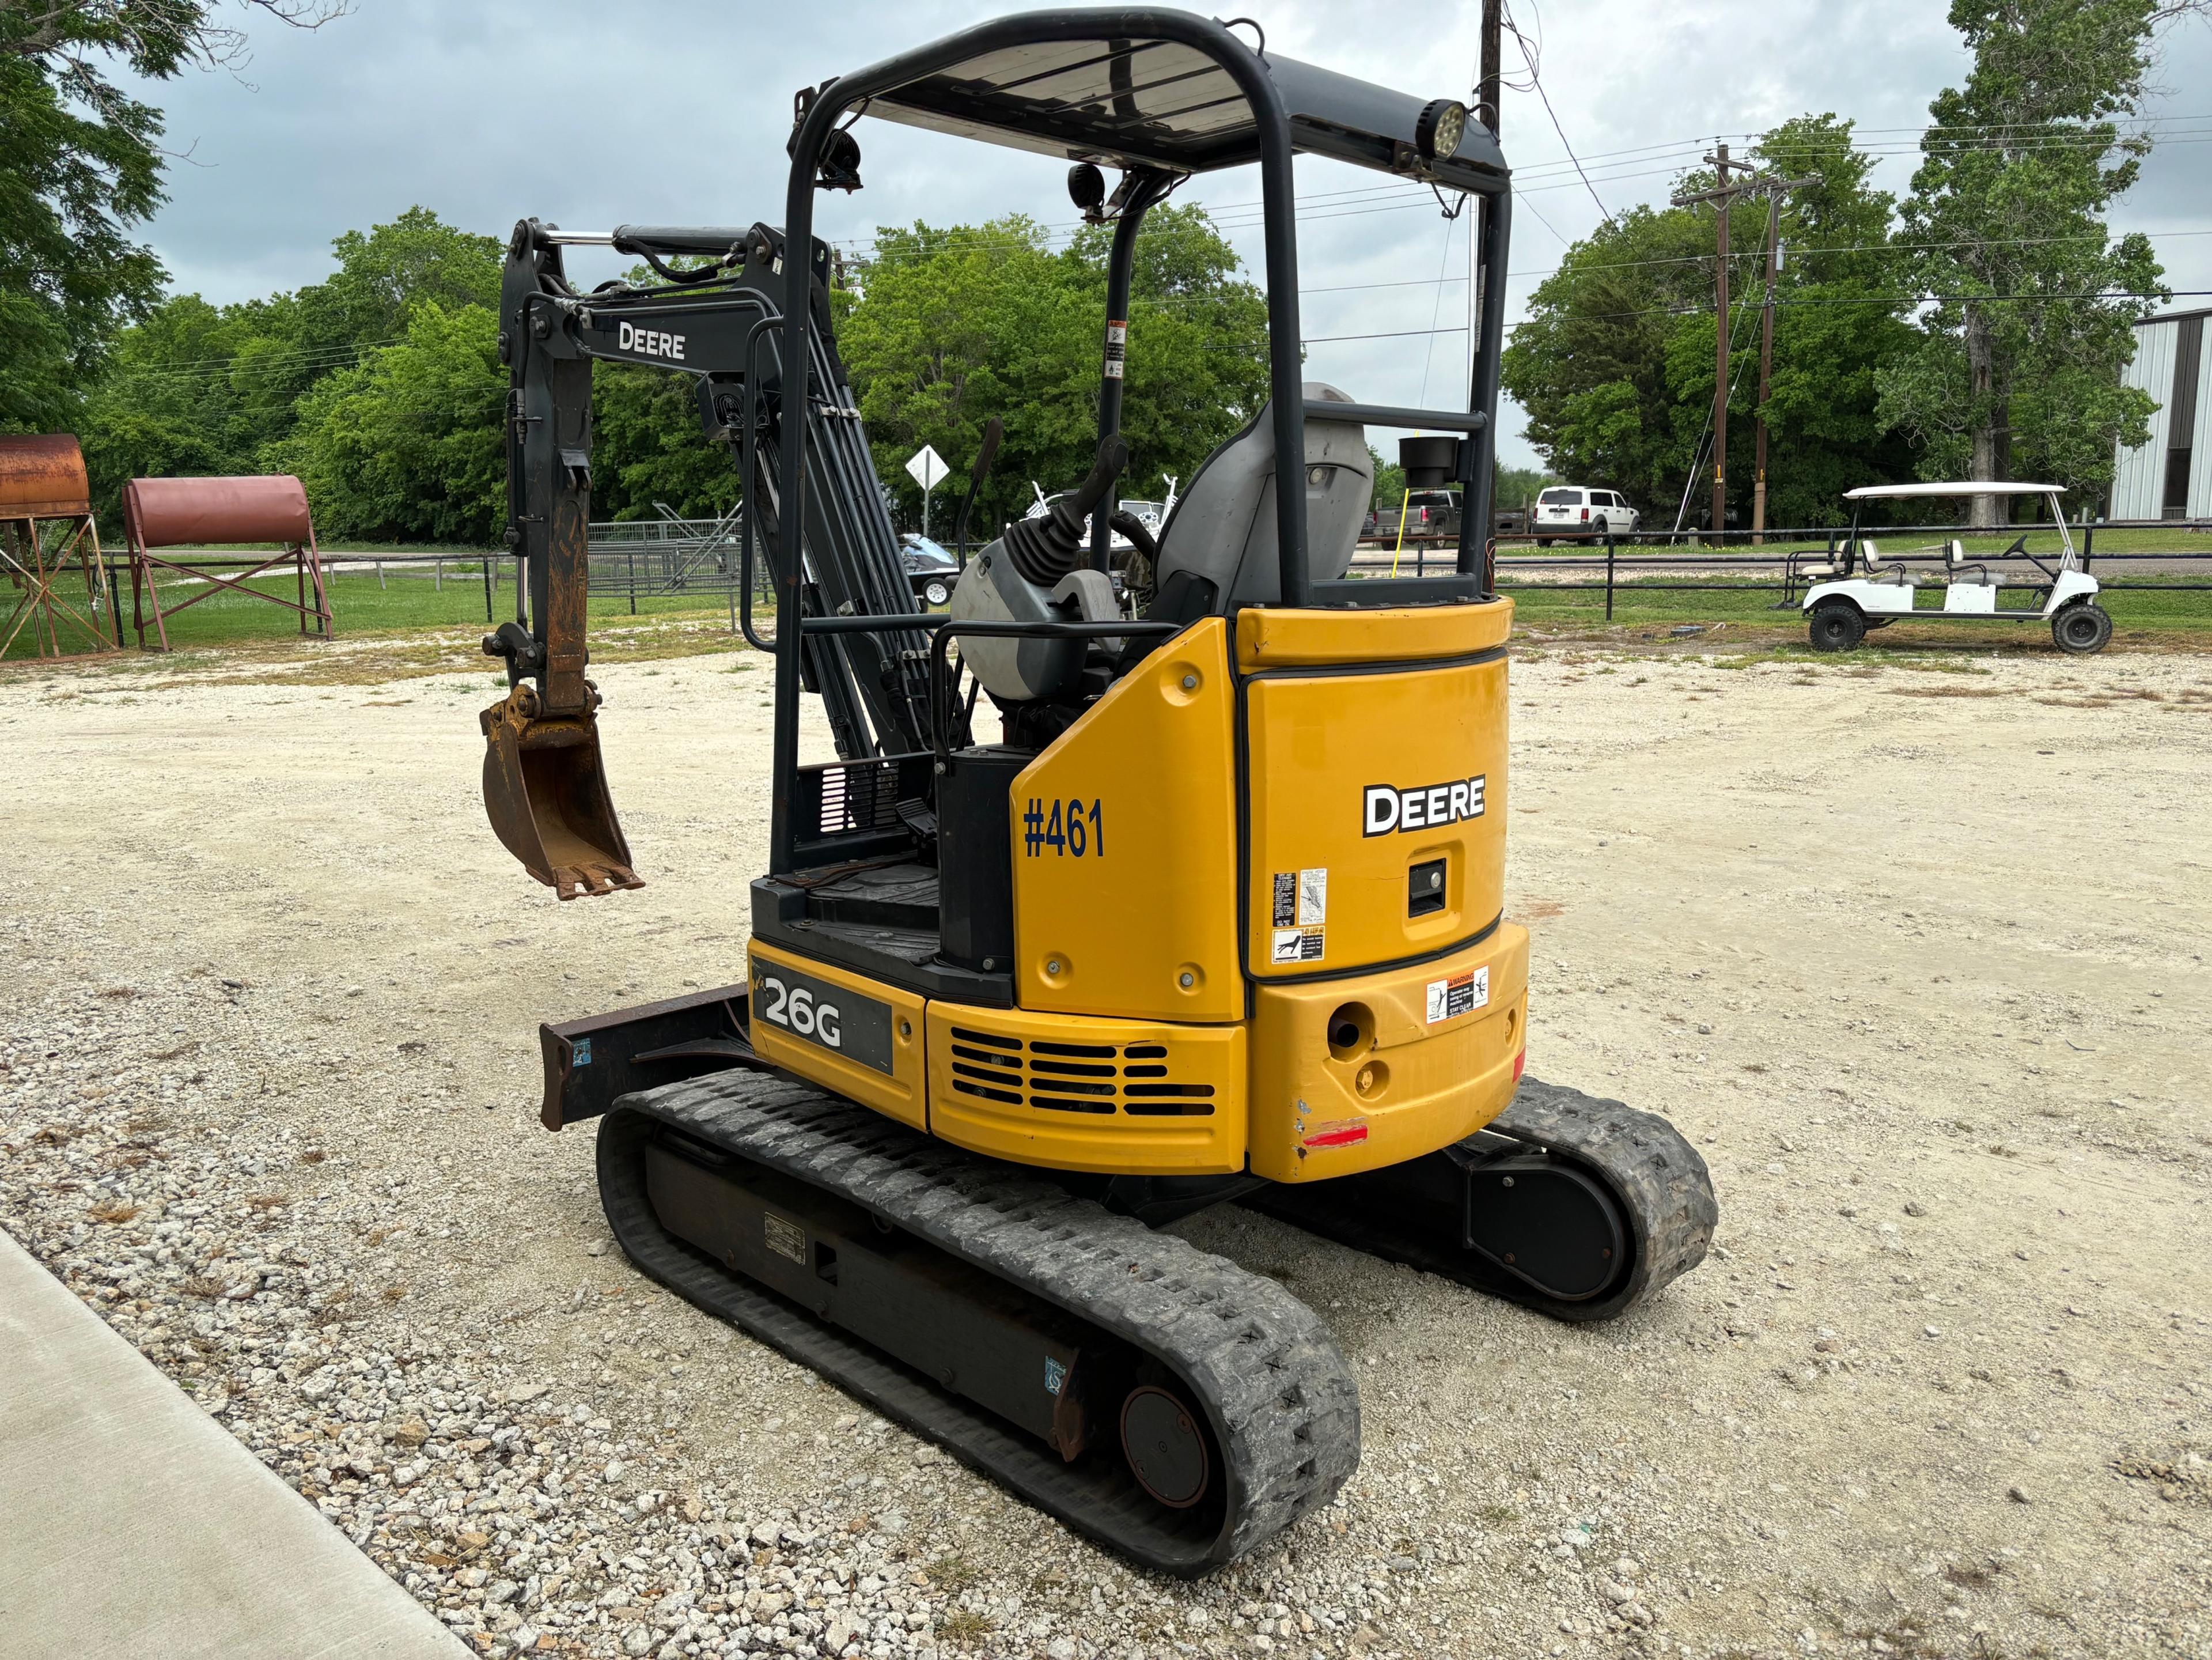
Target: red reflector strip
(1520, 1063)
(1338, 1135)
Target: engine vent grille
(1091, 1078)
(858, 795)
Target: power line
(1894, 300)
(1528, 54)
(1429, 357)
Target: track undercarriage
(1158, 1398)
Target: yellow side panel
(1274, 639)
(1125, 847)
(1420, 753)
(842, 1031)
(1126, 1097)
(1406, 1084)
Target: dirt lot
(1913, 946)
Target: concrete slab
(132, 1523)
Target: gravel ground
(1912, 945)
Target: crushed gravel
(267, 1101)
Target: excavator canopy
(1155, 103)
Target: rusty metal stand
(165, 512)
(46, 524)
(35, 567)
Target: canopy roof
(1877, 492)
(1132, 101)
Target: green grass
(2042, 541)
(426, 628)
(359, 606)
(1546, 604)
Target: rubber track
(1663, 1186)
(1282, 1402)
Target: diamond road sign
(927, 467)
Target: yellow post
(1402, 502)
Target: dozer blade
(546, 796)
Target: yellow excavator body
(1217, 917)
(1385, 1014)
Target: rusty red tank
(43, 478)
(172, 513)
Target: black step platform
(879, 919)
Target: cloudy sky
(589, 115)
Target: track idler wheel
(1165, 1447)
(1547, 1225)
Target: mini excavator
(1219, 918)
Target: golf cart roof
(1880, 492)
(1125, 101)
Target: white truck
(1855, 587)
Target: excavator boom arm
(544, 785)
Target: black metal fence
(1738, 562)
(668, 557)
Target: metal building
(2160, 479)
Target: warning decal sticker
(1450, 999)
(1313, 897)
(1297, 908)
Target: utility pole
(1488, 88)
(1722, 197)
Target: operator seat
(1223, 528)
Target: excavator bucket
(546, 796)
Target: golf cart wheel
(2083, 628)
(1835, 625)
(936, 593)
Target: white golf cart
(1856, 586)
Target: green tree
(2034, 299)
(408, 445)
(79, 166)
(649, 447)
(1589, 366)
(952, 326)
(1515, 487)
(1614, 365)
(197, 389)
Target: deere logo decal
(1431, 807)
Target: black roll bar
(1388, 415)
(1286, 349)
(1145, 192)
(1479, 492)
(1247, 68)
